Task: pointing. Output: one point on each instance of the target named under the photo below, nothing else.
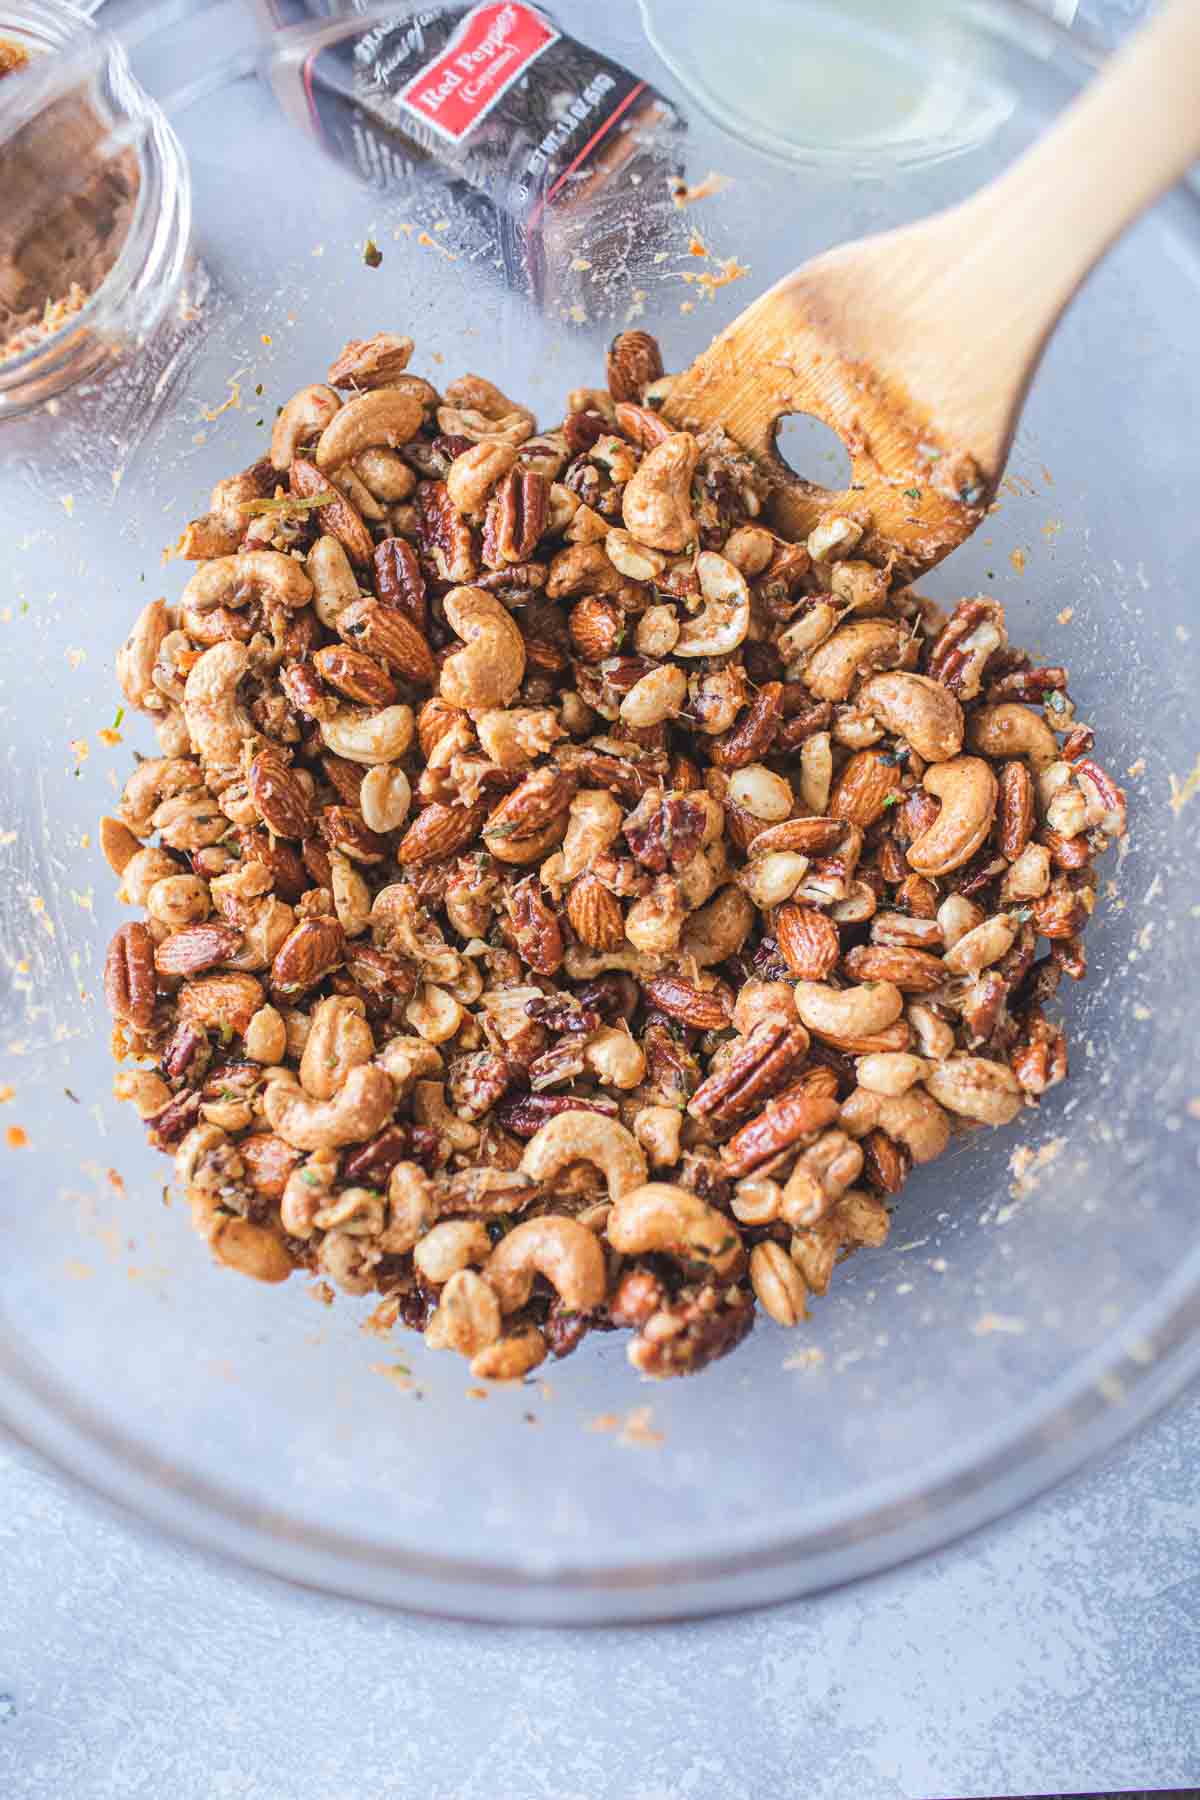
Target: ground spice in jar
(61, 235)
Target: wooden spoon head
(919, 491)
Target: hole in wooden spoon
(811, 449)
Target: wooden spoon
(918, 346)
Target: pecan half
(516, 518)
(525, 1115)
(787, 1120)
(665, 828)
(129, 979)
(692, 1331)
(1014, 809)
(399, 582)
(536, 932)
(443, 535)
(757, 1070)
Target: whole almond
(307, 954)
(597, 627)
(344, 828)
(810, 836)
(707, 1009)
(439, 831)
(595, 914)
(221, 1003)
(356, 675)
(808, 941)
(387, 633)
(864, 789)
(912, 971)
(341, 518)
(129, 983)
(279, 795)
(539, 798)
(634, 362)
(196, 947)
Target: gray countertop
(1058, 1650)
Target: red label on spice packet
(492, 47)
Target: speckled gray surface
(1057, 1651)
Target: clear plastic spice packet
(558, 159)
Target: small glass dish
(145, 277)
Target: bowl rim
(1096, 1402)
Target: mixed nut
(569, 905)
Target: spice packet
(548, 154)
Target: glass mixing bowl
(1041, 1290)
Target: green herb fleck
(258, 387)
(71, 1096)
(309, 1179)
(372, 254)
(890, 800)
(1023, 915)
(116, 724)
(1056, 700)
(913, 493)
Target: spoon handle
(1136, 130)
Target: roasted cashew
(719, 929)
(976, 1088)
(852, 1012)
(657, 696)
(657, 503)
(467, 1318)
(489, 670)
(890, 1072)
(661, 1216)
(232, 581)
(453, 1245)
(385, 475)
(411, 1208)
(725, 620)
(1011, 729)
(144, 870)
(368, 737)
(157, 779)
(966, 787)
(586, 1137)
(614, 1058)
(513, 737)
(309, 1187)
(333, 580)
(386, 417)
(914, 1119)
(340, 1039)
(178, 900)
(862, 646)
(217, 724)
(562, 1250)
(921, 711)
(138, 655)
(304, 418)
(362, 1106)
(250, 1249)
(981, 947)
(472, 475)
(510, 1357)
